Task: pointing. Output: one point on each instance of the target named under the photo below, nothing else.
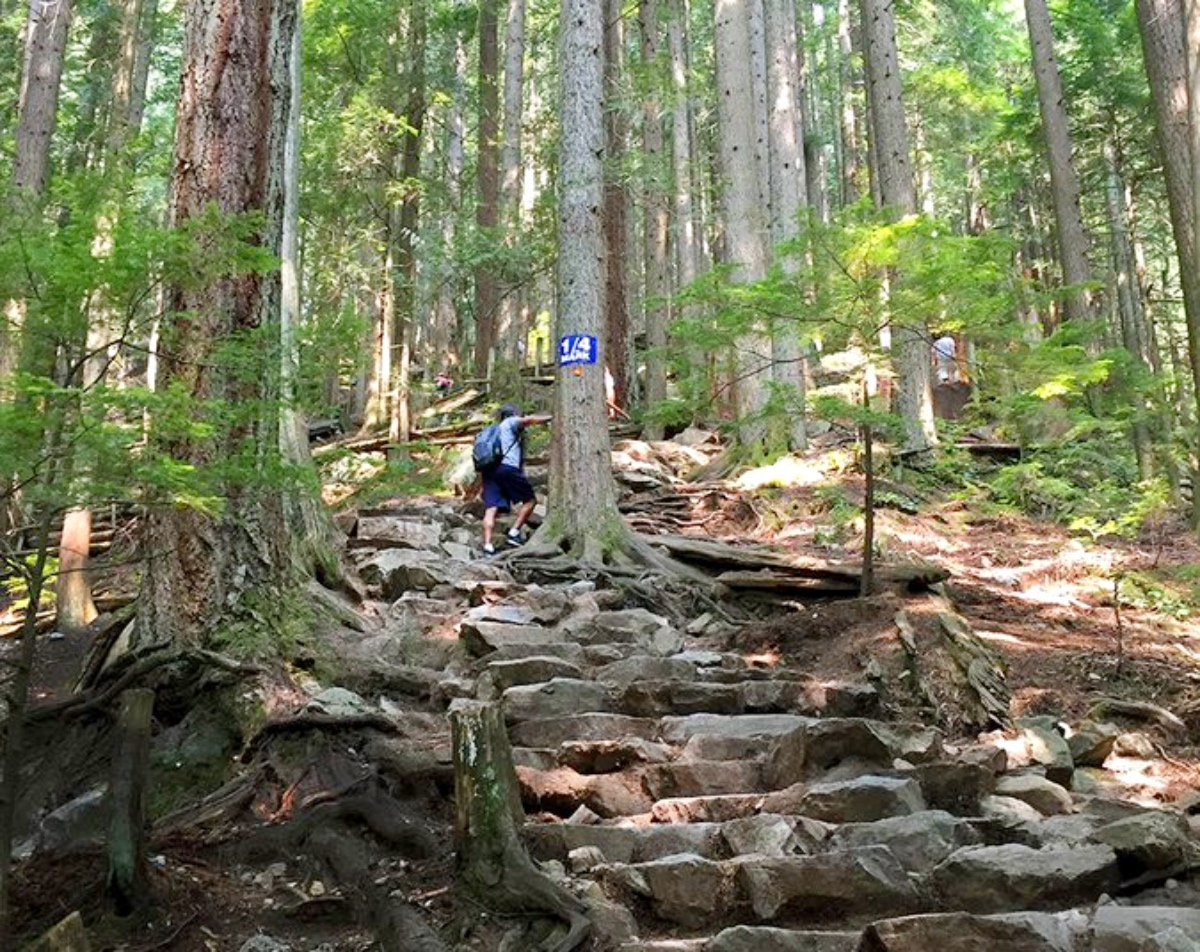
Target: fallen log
(451, 403)
(1139, 710)
(767, 580)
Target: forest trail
(758, 773)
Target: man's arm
(537, 419)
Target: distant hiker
(944, 354)
(443, 382)
(500, 460)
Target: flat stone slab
(768, 939)
(845, 882)
(716, 809)
(678, 730)
(687, 889)
(1045, 796)
(536, 669)
(862, 800)
(963, 932)
(483, 637)
(556, 731)
(987, 879)
(559, 697)
(412, 533)
(624, 844)
(700, 779)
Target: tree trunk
(657, 233)
(1064, 183)
(45, 49)
(446, 317)
(744, 214)
(127, 872)
(788, 200)
(487, 211)
(1129, 304)
(231, 131)
(73, 593)
(893, 172)
(850, 128)
(492, 862)
(404, 223)
(756, 21)
(1161, 23)
(616, 326)
(510, 330)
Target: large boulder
(635, 626)
(953, 785)
(820, 745)
(609, 756)
(685, 889)
(621, 674)
(919, 841)
(388, 530)
(1144, 928)
(484, 637)
(396, 571)
(1091, 743)
(963, 932)
(987, 879)
(536, 669)
(773, 835)
(850, 881)
(659, 698)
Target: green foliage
(268, 624)
(1155, 591)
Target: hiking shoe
(514, 537)
(489, 549)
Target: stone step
(770, 939)
(762, 727)
(763, 834)
(552, 732)
(699, 893)
(963, 932)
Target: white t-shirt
(510, 440)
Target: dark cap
(509, 410)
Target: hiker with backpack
(499, 456)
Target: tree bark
(789, 198)
(616, 310)
(742, 206)
(492, 862)
(73, 592)
(658, 221)
(446, 318)
(1161, 23)
(893, 172)
(231, 130)
(487, 211)
(510, 330)
(1073, 240)
(37, 111)
(127, 872)
(850, 126)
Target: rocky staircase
(702, 801)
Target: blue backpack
(489, 449)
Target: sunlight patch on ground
(785, 473)
(999, 636)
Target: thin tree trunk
(1073, 241)
(893, 172)
(509, 328)
(73, 593)
(616, 332)
(487, 211)
(657, 233)
(127, 866)
(850, 126)
(444, 337)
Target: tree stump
(492, 862)
(68, 936)
(127, 877)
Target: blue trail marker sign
(577, 349)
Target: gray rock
(503, 614)
(483, 637)
(659, 698)
(552, 732)
(774, 835)
(700, 779)
(264, 943)
(822, 744)
(852, 881)
(1045, 796)
(1004, 878)
(1008, 811)
(1091, 744)
(962, 932)
(678, 730)
(583, 858)
(1129, 928)
(767, 939)
(411, 533)
(1172, 939)
(397, 571)
(919, 841)
(953, 785)
(612, 924)
(1153, 842)
(862, 800)
(532, 670)
(716, 809)
(1048, 748)
(559, 697)
(685, 889)
(623, 673)
(1135, 744)
(77, 820)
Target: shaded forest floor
(1041, 598)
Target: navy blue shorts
(505, 487)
